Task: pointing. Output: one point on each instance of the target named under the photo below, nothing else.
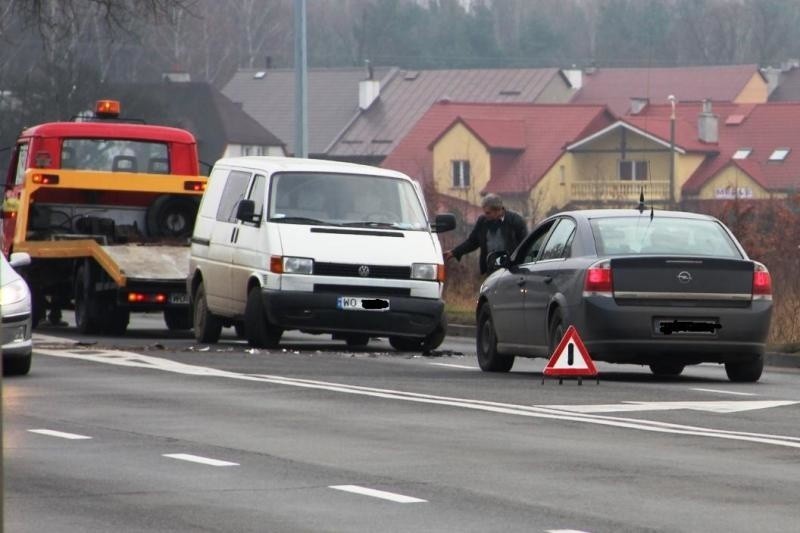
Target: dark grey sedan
(665, 289)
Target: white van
(319, 246)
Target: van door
(217, 275)
(250, 252)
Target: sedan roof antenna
(641, 205)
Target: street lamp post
(672, 101)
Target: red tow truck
(105, 207)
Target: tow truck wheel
(116, 321)
(260, 333)
(178, 318)
(357, 341)
(87, 315)
(207, 327)
(171, 216)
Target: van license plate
(351, 303)
(179, 298)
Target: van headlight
(14, 292)
(298, 265)
(426, 271)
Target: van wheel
(436, 337)
(178, 318)
(87, 313)
(488, 358)
(171, 216)
(207, 327)
(745, 371)
(259, 332)
(357, 341)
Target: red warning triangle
(571, 358)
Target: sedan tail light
(599, 280)
(762, 283)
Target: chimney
(574, 76)
(368, 92)
(707, 124)
(638, 103)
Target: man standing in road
(497, 229)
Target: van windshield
(345, 200)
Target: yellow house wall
(732, 178)
(605, 165)
(551, 193)
(460, 144)
(755, 91)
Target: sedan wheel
(488, 358)
(745, 371)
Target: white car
(15, 309)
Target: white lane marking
(51, 339)
(199, 459)
(59, 434)
(565, 531)
(455, 366)
(391, 496)
(726, 392)
(131, 359)
(734, 406)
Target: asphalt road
(156, 433)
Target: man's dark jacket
(513, 228)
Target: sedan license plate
(352, 303)
(179, 298)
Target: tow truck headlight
(291, 265)
(426, 271)
(14, 292)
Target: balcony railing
(618, 190)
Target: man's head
(492, 207)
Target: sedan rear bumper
(631, 333)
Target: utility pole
(300, 84)
(672, 101)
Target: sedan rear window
(671, 236)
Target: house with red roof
(619, 87)
(710, 151)
(462, 151)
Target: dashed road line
(726, 392)
(198, 459)
(59, 434)
(365, 491)
(465, 367)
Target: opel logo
(363, 271)
(684, 277)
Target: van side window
(234, 191)
(257, 194)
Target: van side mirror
(246, 211)
(444, 222)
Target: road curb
(775, 359)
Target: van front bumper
(319, 313)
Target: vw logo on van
(363, 271)
(684, 277)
